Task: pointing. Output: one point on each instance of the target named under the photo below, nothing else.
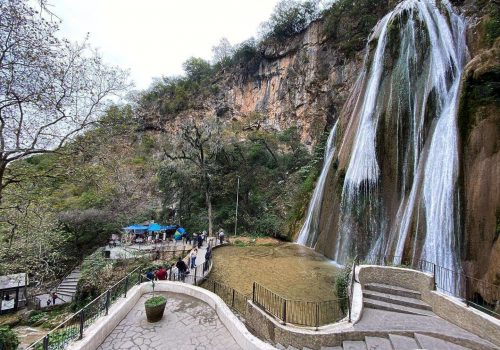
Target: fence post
(46, 342)
(253, 293)
(82, 322)
(434, 274)
(126, 287)
(232, 302)
(284, 311)
(317, 315)
(214, 287)
(140, 278)
(170, 274)
(108, 294)
(195, 272)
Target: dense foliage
(8, 339)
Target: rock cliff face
(302, 83)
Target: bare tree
(222, 51)
(50, 89)
(199, 143)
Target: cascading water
(398, 160)
(309, 231)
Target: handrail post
(126, 287)
(434, 274)
(107, 301)
(170, 273)
(317, 315)
(284, 311)
(82, 322)
(253, 293)
(46, 342)
(195, 272)
(232, 302)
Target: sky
(152, 38)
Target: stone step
(382, 305)
(377, 343)
(353, 345)
(68, 290)
(331, 348)
(68, 285)
(63, 293)
(431, 343)
(388, 289)
(400, 342)
(396, 299)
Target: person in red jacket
(161, 274)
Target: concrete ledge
(100, 330)
(466, 317)
(396, 276)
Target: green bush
(155, 301)
(341, 287)
(8, 339)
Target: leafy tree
(197, 69)
(289, 18)
(198, 145)
(50, 89)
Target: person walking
(200, 241)
(221, 236)
(208, 256)
(181, 268)
(193, 255)
(54, 298)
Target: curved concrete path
(188, 323)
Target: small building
(13, 292)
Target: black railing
(475, 292)
(298, 312)
(73, 327)
(232, 297)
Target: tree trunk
(209, 207)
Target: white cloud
(153, 37)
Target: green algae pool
(290, 270)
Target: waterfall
(400, 146)
(309, 232)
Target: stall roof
(13, 281)
(136, 227)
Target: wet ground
(291, 270)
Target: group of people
(197, 240)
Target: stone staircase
(396, 299)
(393, 342)
(67, 289)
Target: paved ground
(187, 323)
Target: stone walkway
(187, 323)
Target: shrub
(155, 301)
(341, 287)
(8, 339)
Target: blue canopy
(136, 227)
(154, 227)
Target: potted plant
(155, 306)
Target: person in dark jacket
(200, 241)
(150, 275)
(208, 256)
(182, 268)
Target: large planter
(154, 308)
